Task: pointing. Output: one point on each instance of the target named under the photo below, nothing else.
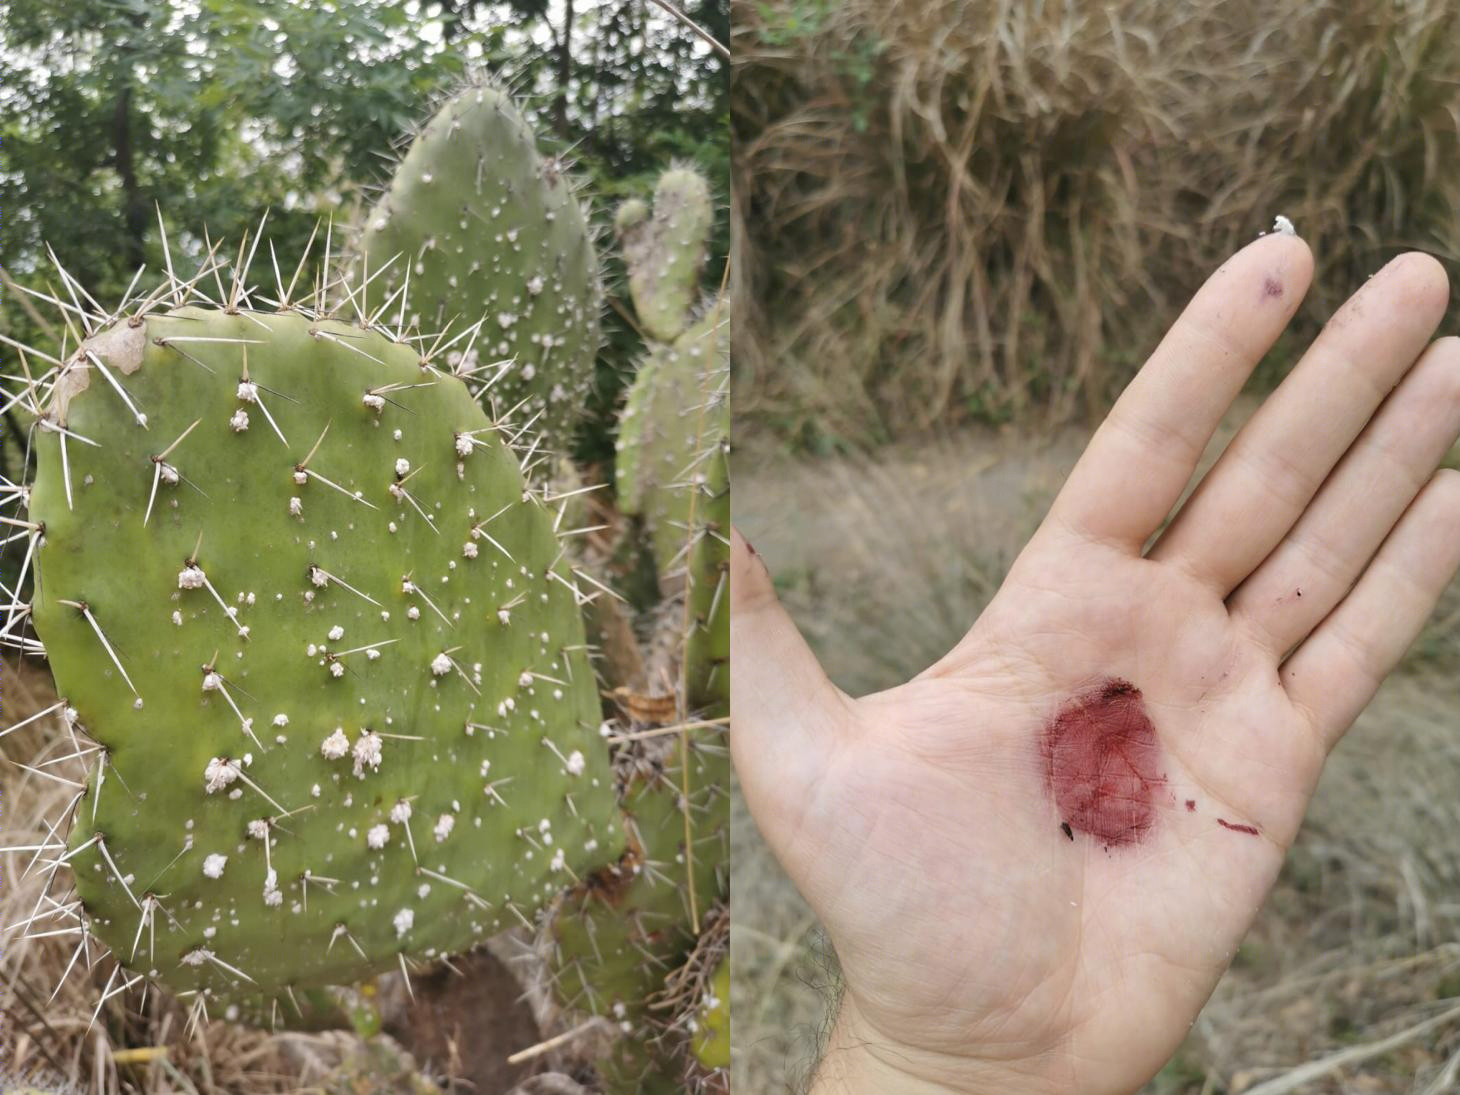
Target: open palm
(1036, 858)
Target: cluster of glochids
(319, 630)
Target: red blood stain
(1102, 763)
(1190, 805)
(1248, 829)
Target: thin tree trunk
(565, 71)
(134, 208)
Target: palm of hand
(983, 914)
(975, 935)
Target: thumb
(785, 709)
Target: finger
(1276, 463)
(1144, 454)
(1335, 673)
(1311, 570)
(784, 708)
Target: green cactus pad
(487, 229)
(665, 251)
(712, 1034)
(327, 643)
(615, 938)
(707, 572)
(675, 416)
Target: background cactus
(484, 229)
(707, 639)
(293, 585)
(638, 941)
(617, 940)
(677, 409)
(664, 249)
(712, 1033)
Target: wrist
(858, 1060)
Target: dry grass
(885, 564)
(958, 209)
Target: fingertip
(1426, 279)
(739, 544)
(1413, 286)
(1278, 264)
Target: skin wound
(1102, 764)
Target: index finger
(1144, 453)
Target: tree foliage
(211, 112)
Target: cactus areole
(292, 582)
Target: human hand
(1171, 705)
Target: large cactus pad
(488, 230)
(326, 641)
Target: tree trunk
(134, 206)
(565, 71)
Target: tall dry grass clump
(955, 209)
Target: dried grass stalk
(954, 209)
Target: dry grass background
(885, 562)
(983, 209)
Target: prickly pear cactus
(675, 416)
(617, 938)
(712, 1021)
(484, 229)
(633, 941)
(707, 576)
(664, 250)
(290, 580)
(677, 410)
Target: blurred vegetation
(990, 210)
(215, 111)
